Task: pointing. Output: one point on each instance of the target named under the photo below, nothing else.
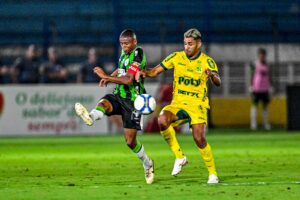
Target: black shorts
(125, 108)
(261, 96)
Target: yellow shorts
(192, 114)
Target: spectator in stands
(26, 69)
(4, 74)
(260, 89)
(53, 70)
(86, 73)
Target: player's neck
(195, 56)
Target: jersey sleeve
(168, 62)
(136, 62)
(211, 64)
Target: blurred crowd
(31, 69)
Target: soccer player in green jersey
(132, 60)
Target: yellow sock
(169, 135)
(208, 158)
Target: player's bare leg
(138, 148)
(199, 134)
(165, 120)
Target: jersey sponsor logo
(136, 53)
(188, 81)
(126, 62)
(193, 94)
(121, 72)
(182, 64)
(134, 67)
(211, 63)
(199, 69)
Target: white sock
(265, 118)
(143, 157)
(96, 114)
(253, 117)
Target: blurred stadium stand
(76, 25)
(78, 22)
(232, 32)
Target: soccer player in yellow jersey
(192, 69)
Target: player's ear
(135, 41)
(199, 44)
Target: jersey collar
(199, 54)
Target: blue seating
(95, 22)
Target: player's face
(191, 46)
(127, 44)
(262, 57)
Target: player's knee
(163, 122)
(200, 140)
(130, 143)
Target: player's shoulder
(138, 50)
(209, 61)
(206, 57)
(173, 55)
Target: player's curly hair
(193, 33)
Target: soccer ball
(145, 104)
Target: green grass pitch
(261, 165)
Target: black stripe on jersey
(138, 55)
(163, 66)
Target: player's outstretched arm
(104, 82)
(214, 77)
(150, 72)
(124, 80)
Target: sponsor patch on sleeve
(134, 68)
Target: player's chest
(190, 68)
(124, 62)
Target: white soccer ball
(145, 104)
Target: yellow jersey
(189, 84)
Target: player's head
(92, 55)
(262, 54)
(128, 40)
(31, 52)
(52, 54)
(192, 42)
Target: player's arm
(214, 77)
(150, 72)
(212, 72)
(127, 79)
(166, 64)
(104, 82)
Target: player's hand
(100, 72)
(103, 82)
(250, 89)
(139, 74)
(208, 73)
